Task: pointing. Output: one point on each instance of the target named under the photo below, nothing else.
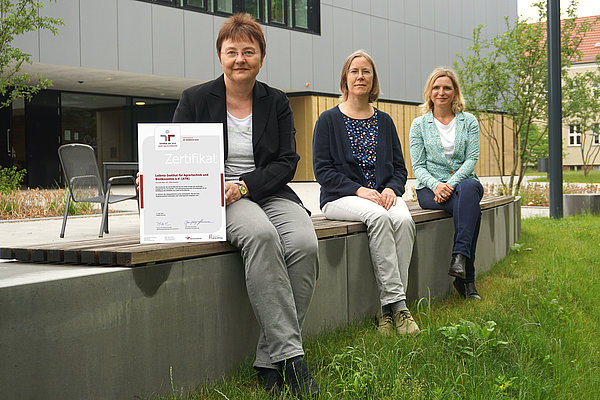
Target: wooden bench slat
(127, 251)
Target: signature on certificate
(194, 224)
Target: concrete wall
(116, 334)
(406, 38)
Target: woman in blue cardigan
(358, 161)
(444, 148)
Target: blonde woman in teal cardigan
(444, 148)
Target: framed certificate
(182, 181)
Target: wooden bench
(127, 250)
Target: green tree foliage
(581, 106)
(508, 74)
(16, 18)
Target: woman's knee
(470, 186)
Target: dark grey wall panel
(63, 49)
(200, 51)
(325, 71)
(135, 36)
(167, 41)
(99, 34)
(331, 289)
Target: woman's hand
(233, 193)
(388, 198)
(370, 194)
(442, 192)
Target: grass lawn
(571, 177)
(534, 336)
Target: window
(277, 11)
(574, 135)
(596, 133)
(302, 15)
(201, 4)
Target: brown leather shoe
(458, 266)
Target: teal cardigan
(429, 162)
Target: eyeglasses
(356, 72)
(232, 54)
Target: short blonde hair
(458, 102)
(374, 93)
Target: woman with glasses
(358, 161)
(444, 149)
(265, 218)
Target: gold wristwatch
(243, 189)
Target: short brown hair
(374, 93)
(242, 26)
(458, 102)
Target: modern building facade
(116, 63)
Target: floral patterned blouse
(363, 141)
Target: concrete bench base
(576, 203)
(117, 334)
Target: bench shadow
(150, 278)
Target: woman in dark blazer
(265, 218)
(358, 161)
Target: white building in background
(119, 62)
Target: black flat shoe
(460, 287)
(270, 379)
(299, 379)
(472, 292)
(458, 266)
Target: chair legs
(64, 224)
(104, 223)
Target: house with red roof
(573, 137)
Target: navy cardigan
(337, 171)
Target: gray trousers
(391, 238)
(279, 249)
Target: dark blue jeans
(465, 209)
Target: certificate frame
(181, 181)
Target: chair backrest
(81, 170)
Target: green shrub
(11, 179)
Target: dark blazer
(335, 167)
(273, 133)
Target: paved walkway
(126, 220)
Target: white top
(240, 154)
(447, 135)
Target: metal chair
(85, 185)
